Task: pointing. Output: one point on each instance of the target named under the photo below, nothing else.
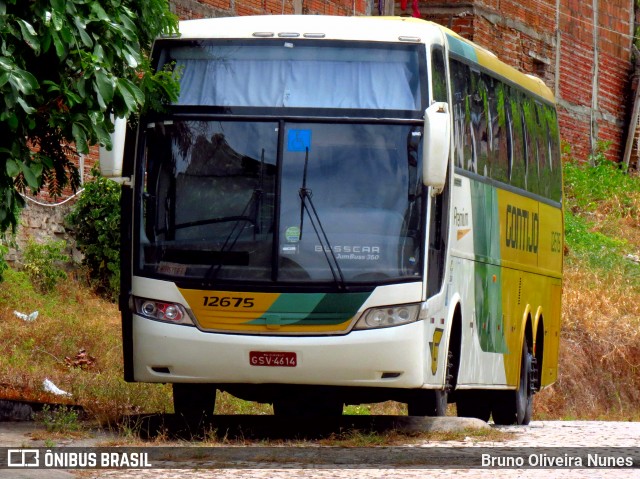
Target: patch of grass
(70, 319)
(601, 185)
(599, 349)
(600, 342)
(387, 408)
(602, 216)
(357, 410)
(228, 404)
(591, 248)
(357, 438)
(62, 419)
(468, 435)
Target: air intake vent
(519, 290)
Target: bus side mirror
(111, 161)
(437, 142)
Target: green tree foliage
(66, 66)
(95, 220)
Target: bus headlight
(388, 316)
(161, 311)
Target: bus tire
(428, 402)
(516, 407)
(194, 401)
(475, 404)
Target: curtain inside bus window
(287, 75)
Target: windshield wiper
(306, 204)
(214, 269)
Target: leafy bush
(601, 182)
(42, 264)
(95, 221)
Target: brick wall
(588, 68)
(191, 9)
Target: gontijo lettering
(522, 229)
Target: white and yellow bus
(341, 211)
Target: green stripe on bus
(313, 309)
(346, 303)
(488, 278)
(296, 303)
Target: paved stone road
(538, 434)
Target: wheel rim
(524, 396)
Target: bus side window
(543, 151)
(480, 123)
(555, 164)
(518, 160)
(438, 75)
(532, 134)
(461, 84)
(501, 136)
(493, 128)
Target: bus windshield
(278, 201)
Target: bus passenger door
(439, 207)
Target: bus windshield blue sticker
(299, 140)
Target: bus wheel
(473, 404)
(307, 407)
(194, 401)
(515, 407)
(428, 402)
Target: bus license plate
(273, 358)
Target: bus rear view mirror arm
(437, 142)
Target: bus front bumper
(390, 357)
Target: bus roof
(311, 26)
(490, 61)
(381, 29)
